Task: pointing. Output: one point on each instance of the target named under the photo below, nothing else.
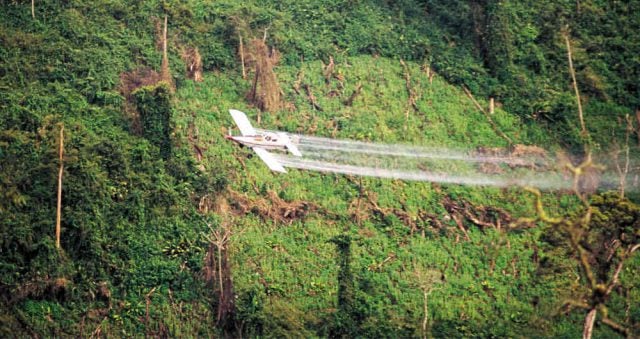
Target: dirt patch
(193, 62)
(129, 82)
(480, 215)
(519, 150)
(41, 287)
(271, 207)
(265, 92)
(366, 205)
(516, 156)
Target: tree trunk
(165, 73)
(583, 128)
(426, 314)
(244, 71)
(220, 271)
(164, 38)
(589, 320)
(59, 205)
(638, 127)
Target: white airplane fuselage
(266, 141)
(262, 141)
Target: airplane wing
(268, 159)
(243, 122)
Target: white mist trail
(314, 145)
(440, 177)
(481, 167)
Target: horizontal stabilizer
(268, 159)
(293, 149)
(243, 123)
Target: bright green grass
(490, 280)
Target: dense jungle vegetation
(166, 229)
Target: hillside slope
(401, 235)
(167, 229)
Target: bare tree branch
(589, 320)
(583, 127)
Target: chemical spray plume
(471, 179)
(482, 167)
(315, 145)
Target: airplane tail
(290, 145)
(294, 149)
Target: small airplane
(261, 142)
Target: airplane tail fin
(242, 122)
